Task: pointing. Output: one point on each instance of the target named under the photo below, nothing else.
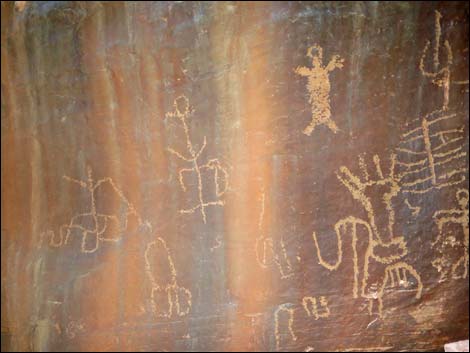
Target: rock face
(234, 176)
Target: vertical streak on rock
(33, 57)
(125, 81)
(18, 196)
(354, 70)
(9, 210)
(101, 96)
(152, 104)
(246, 100)
(103, 125)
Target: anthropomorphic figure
(377, 252)
(319, 88)
(109, 216)
(458, 268)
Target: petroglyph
(288, 310)
(415, 210)
(313, 306)
(220, 174)
(441, 76)
(364, 191)
(264, 245)
(266, 251)
(384, 251)
(316, 308)
(319, 88)
(95, 227)
(256, 322)
(458, 268)
(218, 243)
(430, 156)
(396, 275)
(167, 297)
(74, 328)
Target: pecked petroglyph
(363, 190)
(255, 321)
(267, 253)
(441, 74)
(385, 250)
(440, 77)
(288, 310)
(458, 268)
(431, 155)
(74, 328)
(396, 275)
(167, 297)
(220, 174)
(263, 245)
(319, 88)
(415, 210)
(317, 308)
(95, 227)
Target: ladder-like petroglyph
(457, 268)
(181, 112)
(432, 155)
(95, 226)
(167, 297)
(319, 87)
(384, 251)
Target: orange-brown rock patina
(191, 176)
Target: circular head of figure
(315, 52)
(182, 105)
